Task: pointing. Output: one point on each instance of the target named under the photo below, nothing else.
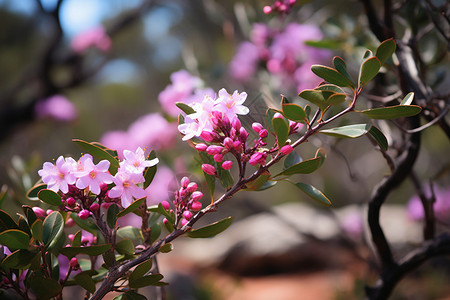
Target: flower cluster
(86, 186)
(284, 54)
(95, 37)
(186, 201)
(283, 6)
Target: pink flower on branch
(127, 188)
(93, 176)
(95, 37)
(58, 176)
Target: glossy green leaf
(392, 112)
(111, 215)
(408, 99)
(76, 242)
(367, 54)
(125, 247)
(315, 97)
(155, 232)
(19, 259)
(50, 197)
(87, 224)
(210, 179)
(225, 178)
(269, 116)
(53, 227)
(294, 112)
(45, 288)
(348, 131)
(7, 222)
(325, 44)
(37, 229)
(132, 207)
(14, 239)
(110, 151)
(23, 225)
(313, 193)
(141, 270)
(99, 153)
(94, 250)
(32, 194)
(144, 281)
(130, 295)
(379, 137)
(331, 75)
(212, 229)
(304, 167)
(166, 248)
(29, 214)
(185, 108)
(85, 281)
(258, 182)
(291, 159)
(109, 258)
(130, 232)
(385, 50)
(267, 185)
(322, 154)
(330, 87)
(281, 128)
(336, 99)
(150, 172)
(341, 67)
(369, 69)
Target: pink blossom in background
(95, 37)
(56, 107)
(441, 206)
(353, 224)
(244, 63)
(182, 87)
(151, 131)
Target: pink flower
(209, 169)
(57, 107)
(231, 104)
(226, 165)
(244, 62)
(94, 37)
(441, 206)
(136, 162)
(93, 176)
(286, 149)
(126, 187)
(58, 176)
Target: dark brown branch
(427, 203)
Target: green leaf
(14, 239)
(19, 259)
(392, 112)
(379, 137)
(155, 232)
(50, 197)
(87, 224)
(210, 179)
(269, 116)
(132, 207)
(166, 248)
(336, 99)
(349, 131)
(369, 69)
(37, 229)
(76, 242)
(6, 222)
(23, 225)
(141, 270)
(160, 209)
(408, 99)
(256, 184)
(304, 167)
(32, 194)
(294, 112)
(330, 87)
(313, 193)
(125, 247)
(225, 178)
(45, 288)
(85, 281)
(291, 159)
(130, 295)
(367, 54)
(341, 67)
(29, 214)
(53, 227)
(99, 153)
(385, 50)
(315, 97)
(267, 185)
(150, 172)
(111, 215)
(145, 281)
(331, 75)
(212, 229)
(281, 128)
(325, 44)
(322, 154)
(130, 232)
(110, 151)
(185, 108)
(94, 250)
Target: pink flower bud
(201, 147)
(39, 212)
(214, 149)
(94, 207)
(106, 205)
(257, 158)
(71, 202)
(70, 222)
(84, 214)
(267, 10)
(187, 215)
(185, 181)
(286, 149)
(165, 221)
(184, 222)
(236, 123)
(257, 127)
(71, 236)
(227, 164)
(165, 204)
(207, 136)
(197, 195)
(263, 133)
(196, 206)
(243, 135)
(228, 143)
(218, 157)
(237, 145)
(209, 169)
(192, 187)
(48, 211)
(278, 116)
(74, 262)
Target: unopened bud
(165, 204)
(207, 136)
(218, 157)
(228, 143)
(39, 212)
(185, 181)
(209, 169)
(257, 127)
(94, 207)
(226, 165)
(71, 202)
(197, 195)
(214, 149)
(267, 10)
(84, 214)
(187, 215)
(286, 149)
(196, 206)
(192, 187)
(201, 147)
(74, 263)
(263, 133)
